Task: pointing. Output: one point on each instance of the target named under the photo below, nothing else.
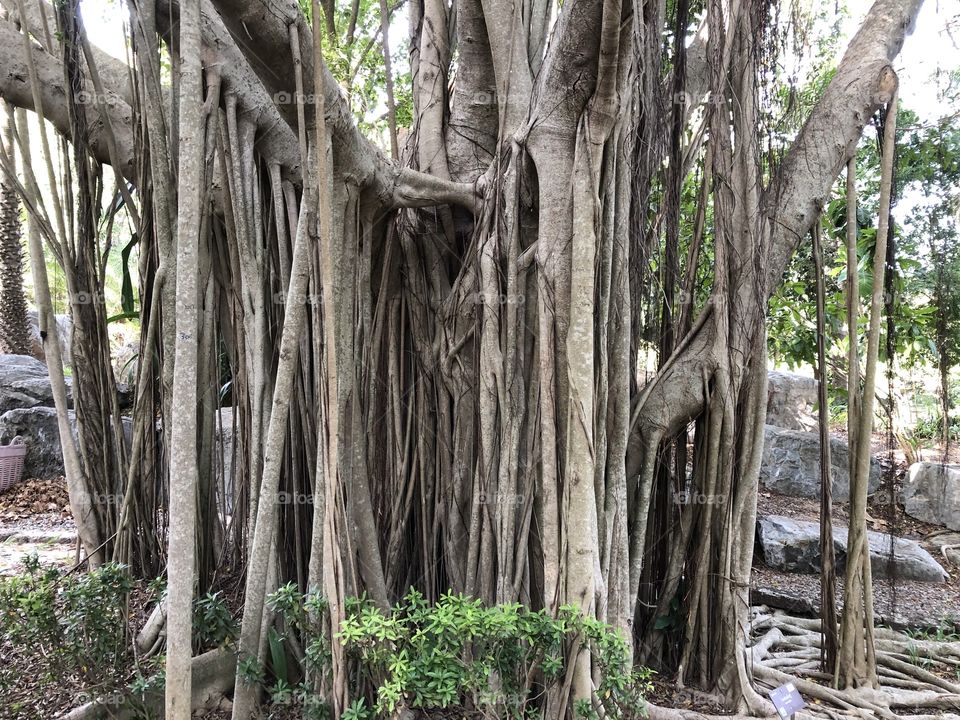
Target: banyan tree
(481, 354)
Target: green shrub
(213, 624)
(458, 653)
(931, 428)
(72, 627)
(64, 624)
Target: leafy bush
(213, 624)
(458, 653)
(72, 628)
(931, 428)
(68, 625)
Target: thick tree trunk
(184, 474)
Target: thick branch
(793, 200)
(275, 141)
(15, 87)
(260, 29)
(862, 83)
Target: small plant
(70, 625)
(947, 630)
(918, 660)
(357, 711)
(213, 625)
(146, 686)
(250, 671)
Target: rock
(38, 427)
(949, 546)
(791, 545)
(223, 454)
(801, 602)
(794, 546)
(932, 494)
(791, 401)
(124, 395)
(24, 383)
(791, 464)
(125, 359)
(64, 331)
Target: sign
(786, 699)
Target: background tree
(14, 328)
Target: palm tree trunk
(14, 329)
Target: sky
(931, 44)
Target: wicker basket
(11, 463)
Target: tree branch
(15, 87)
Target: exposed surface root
(914, 675)
(213, 676)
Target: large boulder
(794, 546)
(64, 332)
(39, 429)
(791, 401)
(791, 464)
(932, 494)
(24, 383)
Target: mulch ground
(37, 504)
(35, 520)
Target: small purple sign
(786, 699)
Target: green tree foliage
(355, 59)
(926, 277)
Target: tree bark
(184, 475)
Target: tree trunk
(14, 330)
(184, 475)
(828, 573)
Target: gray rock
(125, 361)
(794, 546)
(38, 427)
(24, 383)
(791, 401)
(64, 331)
(949, 546)
(223, 455)
(791, 464)
(932, 494)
